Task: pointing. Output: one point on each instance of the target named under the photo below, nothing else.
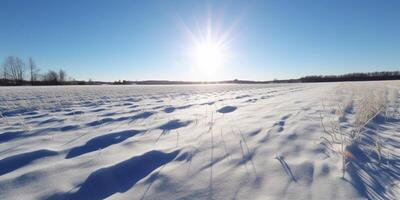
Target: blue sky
(139, 40)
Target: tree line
(369, 76)
(14, 71)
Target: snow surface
(182, 142)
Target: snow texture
(189, 142)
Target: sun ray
(209, 51)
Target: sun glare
(208, 55)
(209, 51)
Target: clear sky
(149, 39)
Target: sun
(208, 55)
(209, 58)
(209, 52)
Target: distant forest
(14, 71)
(370, 76)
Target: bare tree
(51, 77)
(19, 70)
(6, 68)
(14, 69)
(3, 72)
(62, 75)
(33, 70)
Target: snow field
(198, 142)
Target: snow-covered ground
(201, 142)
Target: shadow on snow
(101, 142)
(372, 176)
(17, 161)
(119, 177)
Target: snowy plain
(197, 142)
